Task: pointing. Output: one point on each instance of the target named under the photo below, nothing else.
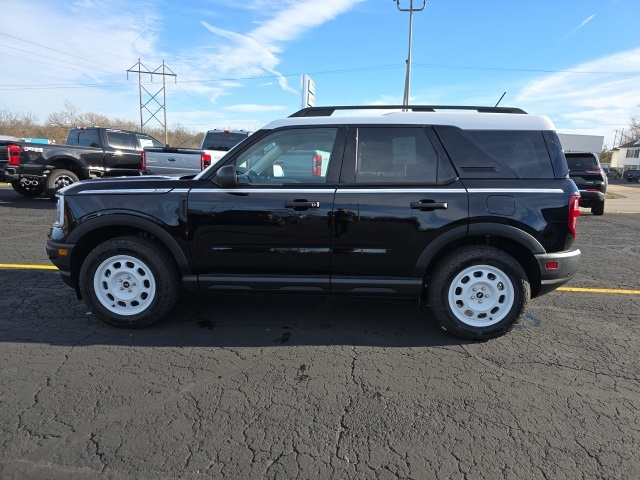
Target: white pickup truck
(178, 162)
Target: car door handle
(428, 205)
(301, 204)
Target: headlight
(59, 212)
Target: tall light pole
(405, 100)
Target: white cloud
(256, 52)
(582, 24)
(595, 97)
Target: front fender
(117, 220)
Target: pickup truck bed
(175, 162)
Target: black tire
(58, 179)
(28, 188)
(129, 282)
(501, 295)
(598, 207)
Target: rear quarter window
(497, 153)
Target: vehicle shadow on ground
(39, 308)
(9, 198)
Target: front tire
(478, 292)
(27, 187)
(129, 282)
(58, 179)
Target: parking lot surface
(243, 387)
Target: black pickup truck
(90, 152)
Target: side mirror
(226, 176)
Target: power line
(59, 51)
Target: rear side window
(395, 155)
(84, 138)
(121, 140)
(147, 141)
(497, 153)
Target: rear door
(397, 195)
(121, 150)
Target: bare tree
(57, 126)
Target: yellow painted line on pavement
(600, 290)
(28, 267)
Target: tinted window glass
(497, 153)
(222, 140)
(86, 138)
(395, 155)
(297, 155)
(582, 162)
(121, 140)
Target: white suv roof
(469, 118)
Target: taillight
(574, 213)
(316, 165)
(13, 152)
(205, 160)
(594, 171)
(143, 160)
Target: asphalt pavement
(253, 387)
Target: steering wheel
(254, 177)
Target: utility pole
(405, 100)
(164, 71)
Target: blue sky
(239, 63)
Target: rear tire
(28, 188)
(57, 179)
(478, 292)
(129, 282)
(598, 208)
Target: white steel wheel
(129, 282)
(478, 292)
(481, 296)
(124, 285)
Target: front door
(272, 231)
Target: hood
(147, 184)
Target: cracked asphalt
(282, 387)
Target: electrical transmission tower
(152, 98)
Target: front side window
(300, 155)
(395, 155)
(121, 140)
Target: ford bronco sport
(468, 208)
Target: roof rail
(328, 111)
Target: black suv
(590, 178)
(631, 175)
(471, 211)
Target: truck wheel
(598, 208)
(478, 292)
(58, 179)
(27, 187)
(129, 282)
